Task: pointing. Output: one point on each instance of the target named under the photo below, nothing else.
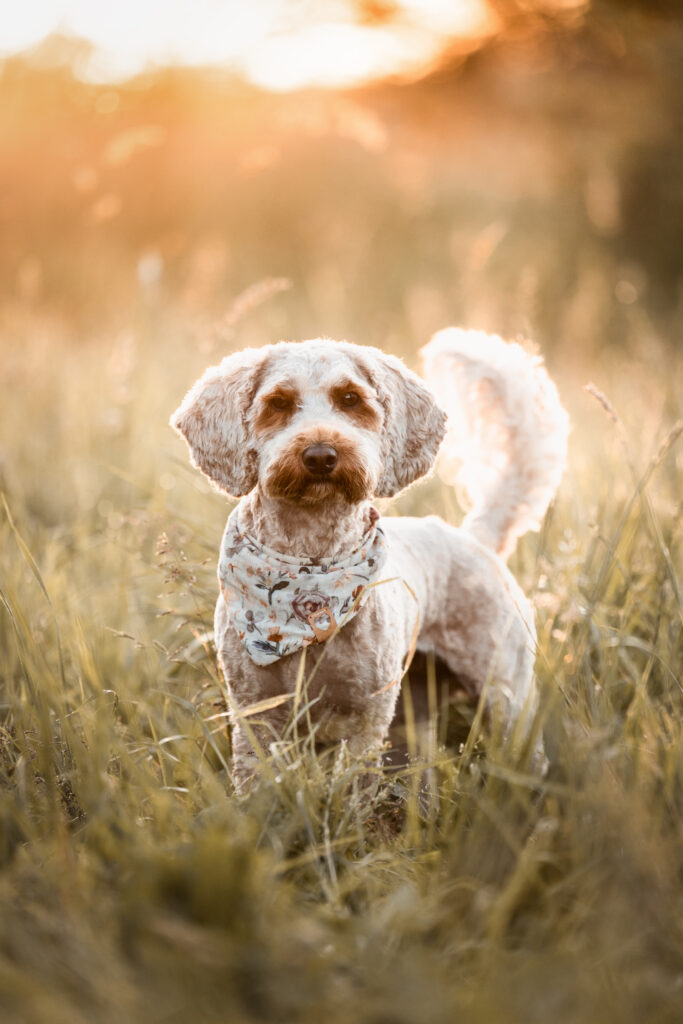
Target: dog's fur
(247, 422)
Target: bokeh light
(274, 43)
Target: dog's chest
(350, 681)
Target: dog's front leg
(252, 741)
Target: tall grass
(136, 885)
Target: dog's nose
(319, 459)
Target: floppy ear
(414, 425)
(212, 419)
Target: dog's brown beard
(289, 479)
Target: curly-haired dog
(307, 434)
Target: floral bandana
(279, 605)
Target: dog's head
(311, 421)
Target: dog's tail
(507, 440)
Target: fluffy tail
(507, 439)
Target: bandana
(279, 605)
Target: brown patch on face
(290, 479)
(354, 401)
(276, 408)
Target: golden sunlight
(277, 44)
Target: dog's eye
(279, 402)
(349, 399)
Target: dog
(307, 435)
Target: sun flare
(276, 44)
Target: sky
(277, 44)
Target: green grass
(134, 885)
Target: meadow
(151, 228)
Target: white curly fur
(507, 437)
(248, 422)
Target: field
(151, 228)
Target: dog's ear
(414, 425)
(213, 421)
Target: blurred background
(181, 180)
